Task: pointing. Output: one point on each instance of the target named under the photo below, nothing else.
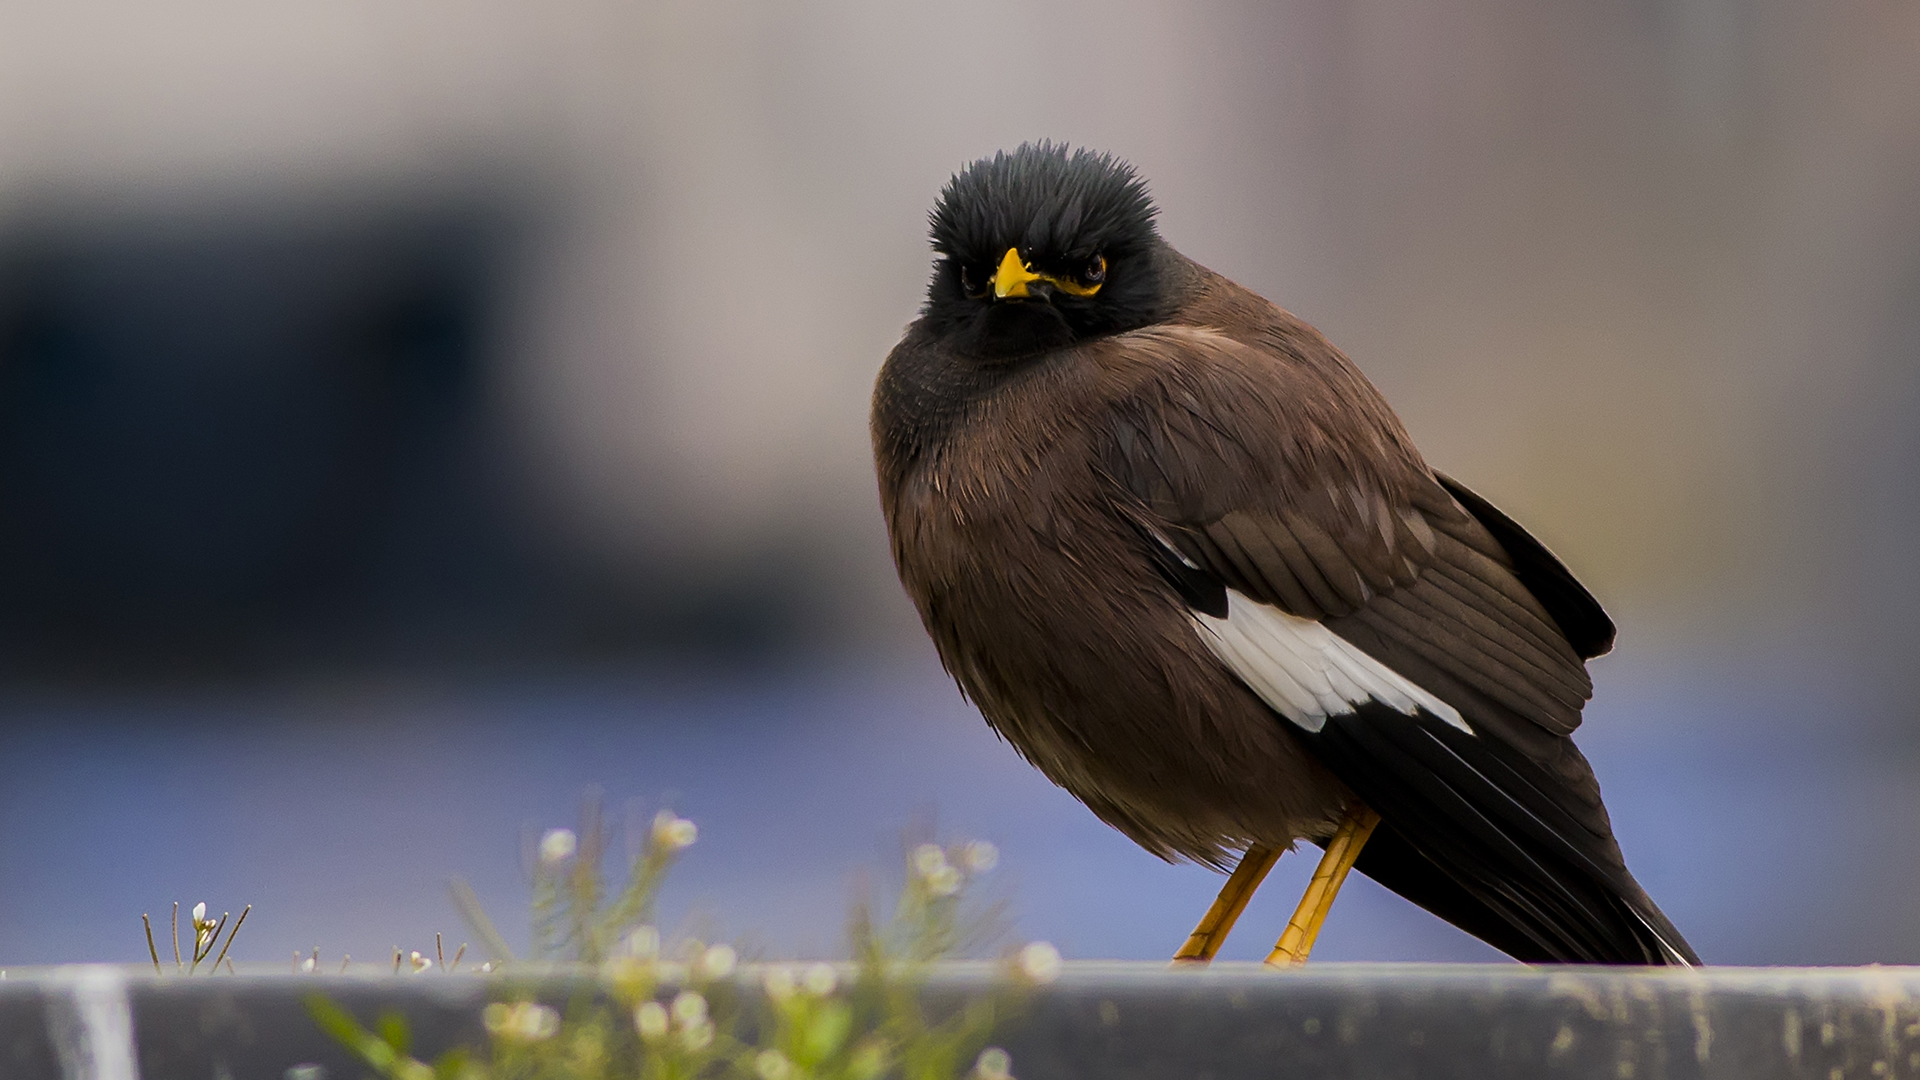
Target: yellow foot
(1342, 851)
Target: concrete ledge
(1107, 1020)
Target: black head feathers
(1079, 229)
(1046, 199)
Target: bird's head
(1040, 248)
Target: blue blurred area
(1767, 832)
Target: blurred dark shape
(237, 443)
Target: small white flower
(644, 942)
(199, 913)
(557, 846)
(419, 963)
(651, 1019)
(525, 1021)
(821, 979)
(993, 1064)
(981, 856)
(307, 964)
(778, 981)
(689, 1008)
(718, 962)
(539, 1022)
(672, 832)
(772, 1065)
(1040, 962)
(944, 882)
(929, 860)
(697, 1036)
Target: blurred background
(413, 412)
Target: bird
(1186, 560)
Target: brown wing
(1261, 469)
(1279, 474)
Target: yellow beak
(1012, 277)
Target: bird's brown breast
(1031, 571)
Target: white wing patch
(1305, 671)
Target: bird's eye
(1095, 271)
(969, 281)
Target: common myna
(1183, 556)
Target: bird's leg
(1342, 851)
(1207, 937)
